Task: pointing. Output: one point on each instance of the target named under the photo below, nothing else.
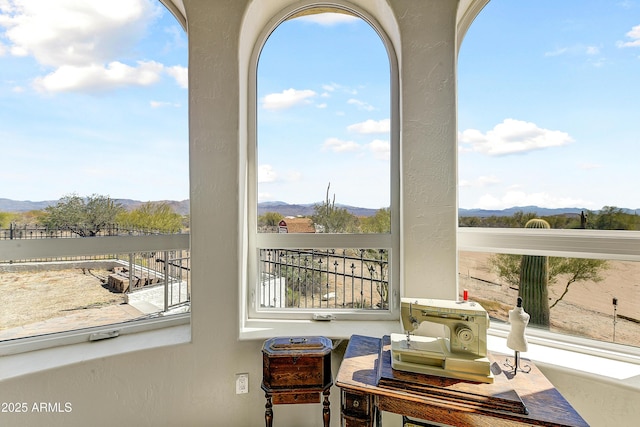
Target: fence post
(166, 281)
(130, 272)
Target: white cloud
(287, 99)
(512, 137)
(266, 173)
(575, 50)
(559, 51)
(160, 104)
(92, 78)
(339, 146)
(82, 44)
(481, 181)
(371, 126)
(589, 166)
(332, 87)
(329, 18)
(70, 32)
(180, 74)
(360, 104)
(380, 149)
(634, 35)
(513, 198)
(593, 50)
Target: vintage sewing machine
(461, 353)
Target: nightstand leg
(268, 413)
(326, 411)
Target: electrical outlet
(242, 383)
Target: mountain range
(286, 209)
(8, 205)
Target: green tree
(612, 218)
(269, 219)
(575, 270)
(378, 260)
(152, 216)
(83, 216)
(380, 222)
(6, 218)
(570, 270)
(332, 219)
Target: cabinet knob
(356, 403)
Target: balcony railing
(148, 262)
(324, 278)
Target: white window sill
(603, 362)
(16, 365)
(262, 329)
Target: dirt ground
(29, 297)
(587, 310)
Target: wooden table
(369, 385)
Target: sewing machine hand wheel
(464, 334)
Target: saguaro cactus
(534, 280)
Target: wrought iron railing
(135, 270)
(334, 278)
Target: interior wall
(194, 384)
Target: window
(98, 124)
(545, 120)
(323, 215)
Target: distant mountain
(286, 209)
(8, 205)
(482, 213)
(179, 207)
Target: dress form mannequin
(516, 339)
(518, 319)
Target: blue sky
(93, 96)
(94, 100)
(549, 97)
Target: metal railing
(177, 280)
(142, 269)
(41, 232)
(314, 278)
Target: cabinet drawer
(293, 371)
(293, 398)
(356, 405)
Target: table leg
(326, 411)
(268, 413)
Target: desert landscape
(586, 310)
(31, 298)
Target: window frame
(594, 244)
(13, 350)
(70, 247)
(253, 241)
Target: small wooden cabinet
(296, 370)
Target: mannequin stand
(516, 366)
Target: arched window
(94, 101)
(324, 170)
(547, 100)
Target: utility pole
(615, 317)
